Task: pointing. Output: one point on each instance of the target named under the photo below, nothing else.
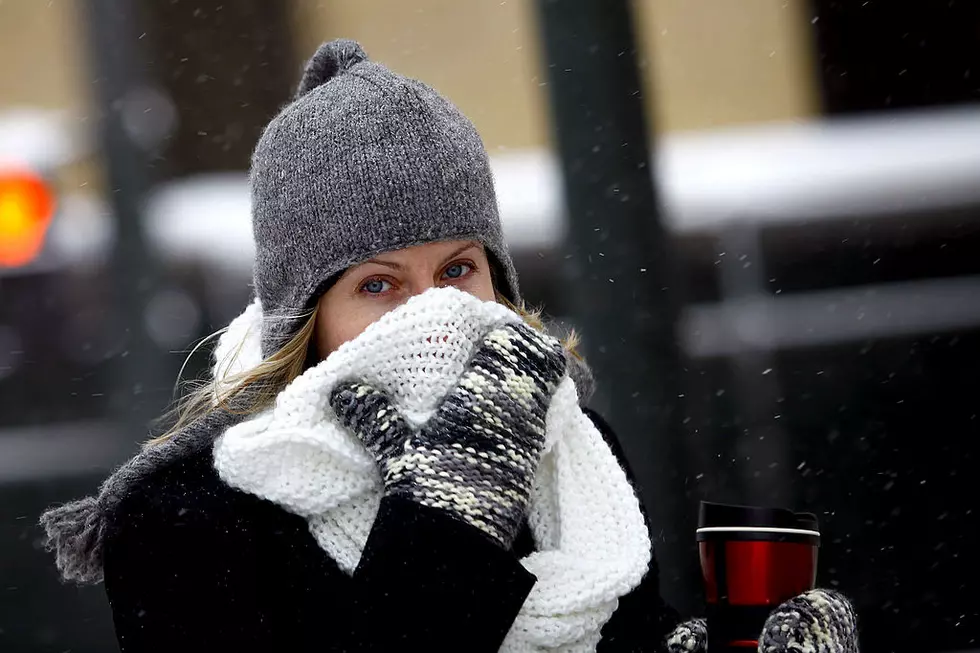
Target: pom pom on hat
(331, 59)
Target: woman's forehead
(444, 248)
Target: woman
(392, 453)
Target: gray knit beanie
(363, 161)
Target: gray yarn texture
(363, 161)
(477, 455)
(818, 621)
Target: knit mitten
(477, 455)
(689, 637)
(820, 621)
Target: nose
(422, 283)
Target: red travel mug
(752, 559)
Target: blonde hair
(255, 389)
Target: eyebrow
(398, 266)
(387, 264)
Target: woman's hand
(821, 621)
(477, 456)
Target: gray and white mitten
(822, 621)
(819, 621)
(477, 455)
(689, 637)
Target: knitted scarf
(592, 543)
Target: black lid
(721, 514)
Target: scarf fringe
(74, 533)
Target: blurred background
(764, 216)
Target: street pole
(114, 40)
(622, 282)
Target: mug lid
(715, 515)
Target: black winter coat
(192, 564)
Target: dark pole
(622, 288)
(114, 40)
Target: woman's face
(367, 291)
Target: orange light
(26, 208)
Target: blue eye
(375, 286)
(457, 270)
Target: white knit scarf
(592, 545)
